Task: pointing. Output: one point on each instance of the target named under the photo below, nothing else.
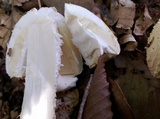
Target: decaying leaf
(113, 14)
(120, 61)
(59, 4)
(66, 101)
(120, 100)
(71, 98)
(126, 14)
(90, 34)
(98, 104)
(32, 4)
(143, 22)
(63, 111)
(6, 39)
(3, 31)
(16, 3)
(3, 19)
(2, 11)
(153, 51)
(1, 41)
(130, 41)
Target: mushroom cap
(90, 34)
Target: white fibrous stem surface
(71, 58)
(40, 93)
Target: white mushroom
(90, 34)
(34, 52)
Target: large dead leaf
(98, 104)
(120, 100)
(126, 16)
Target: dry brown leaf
(16, 3)
(63, 111)
(98, 104)
(16, 16)
(1, 41)
(71, 98)
(113, 14)
(6, 39)
(66, 101)
(120, 100)
(120, 61)
(2, 11)
(126, 17)
(8, 22)
(143, 22)
(31, 4)
(59, 4)
(130, 41)
(138, 62)
(3, 31)
(3, 19)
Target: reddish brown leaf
(98, 104)
(120, 100)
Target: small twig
(39, 3)
(140, 51)
(85, 95)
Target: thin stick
(39, 3)
(85, 95)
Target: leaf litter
(115, 14)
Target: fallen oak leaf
(130, 41)
(98, 104)
(126, 14)
(143, 22)
(120, 100)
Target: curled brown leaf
(98, 104)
